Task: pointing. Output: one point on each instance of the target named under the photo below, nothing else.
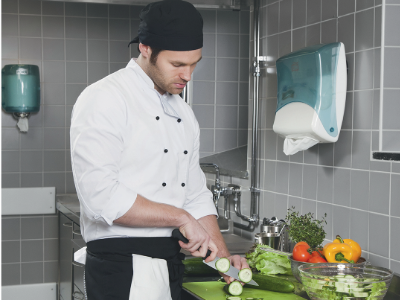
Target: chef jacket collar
(168, 109)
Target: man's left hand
(239, 263)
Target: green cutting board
(213, 290)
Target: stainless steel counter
(68, 204)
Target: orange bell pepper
(338, 252)
(353, 244)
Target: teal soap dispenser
(21, 92)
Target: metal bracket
(255, 190)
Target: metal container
(274, 236)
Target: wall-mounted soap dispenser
(312, 85)
(21, 92)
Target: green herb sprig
(305, 228)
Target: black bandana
(170, 25)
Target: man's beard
(160, 81)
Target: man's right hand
(199, 240)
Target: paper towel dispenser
(312, 85)
(20, 92)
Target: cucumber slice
(223, 264)
(234, 289)
(234, 298)
(245, 275)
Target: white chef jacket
(128, 139)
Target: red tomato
(300, 253)
(317, 253)
(316, 259)
(300, 243)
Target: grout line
(382, 63)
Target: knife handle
(178, 235)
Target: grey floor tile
(308, 206)
(31, 161)
(341, 221)
(378, 234)
(325, 184)
(56, 180)
(362, 109)
(32, 251)
(313, 34)
(359, 228)
(326, 154)
(322, 209)
(310, 182)
(53, 8)
(10, 252)
(204, 115)
(227, 45)
(341, 189)
(11, 229)
(359, 189)
(205, 70)
(361, 149)
(50, 249)
(391, 104)
(270, 175)
(394, 240)
(75, 28)
(32, 179)
(227, 69)
(50, 271)
(379, 192)
(227, 22)
(227, 93)
(11, 274)
(225, 139)
(364, 72)
(281, 206)
(329, 32)
(346, 32)
(10, 139)
(395, 195)
(378, 261)
(282, 177)
(32, 273)
(364, 27)
(31, 228)
(299, 18)
(342, 151)
(295, 179)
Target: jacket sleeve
(98, 125)
(199, 202)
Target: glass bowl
(296, 264)
(345, 281)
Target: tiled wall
(360, 196)
(391, 82)
(220, 81)
(74, 45)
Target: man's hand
(239, 263)
(199, 240)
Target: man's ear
(145, 50)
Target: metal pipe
(255, 177)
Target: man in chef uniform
(135, 161)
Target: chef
(135, 161)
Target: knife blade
(232, 272)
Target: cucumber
(223, 264)
(245, 275)
(194, 267)
(271, 283)
(234, 298)
(234, 288)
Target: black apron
(108, 268)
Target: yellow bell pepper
(338, 252)
(353, 244)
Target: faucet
(216, 188)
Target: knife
(232, 272)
